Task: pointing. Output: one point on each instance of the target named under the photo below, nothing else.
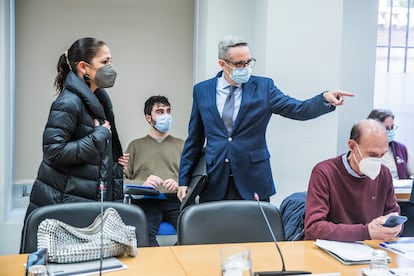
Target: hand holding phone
(393, 221)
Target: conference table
(403, 195)
(202, 260)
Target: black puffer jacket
(77, 156)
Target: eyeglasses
(389, 128)
(241, 64)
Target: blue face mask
(241, 75)
(390, 135)
(163, 123)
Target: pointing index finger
(343, 93)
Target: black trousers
(233, 194)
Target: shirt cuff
(328, 104)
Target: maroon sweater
(339, 206)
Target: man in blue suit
(229, 116)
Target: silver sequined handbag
(68, 244)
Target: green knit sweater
(147, 156)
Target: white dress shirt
(222, 91)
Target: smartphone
(393, 221)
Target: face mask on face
(370, 166)
(163, 123)
(241, 75)
(390, 135)
(105, 76)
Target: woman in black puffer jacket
(81, 149)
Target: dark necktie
(228, 110)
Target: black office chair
(228, 221)
(407, 209)
(81, 215)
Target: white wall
(358, 57)
(303, 58)
(152, 50)
(305, 46)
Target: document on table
(347, 252)
(403, 271)
(85, 268)
(402, 183)
(403, 246)
(393, 271)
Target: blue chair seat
(166, 228)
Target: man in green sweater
(154, 161)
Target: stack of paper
(347, 252)
(402, 183)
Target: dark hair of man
(151, 101)
(83, 49)
(380, 114)
(355, 133)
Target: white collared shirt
(348, 166)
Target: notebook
(136, 191)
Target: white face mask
(241, 75)
(370, 166)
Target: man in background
(154, 161)
(350, 196)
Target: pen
(383, 245)
(391, 248)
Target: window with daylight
(394, 76)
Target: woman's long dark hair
(83, 49)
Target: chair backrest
(407, 209)
(228, 221)
(81, 215)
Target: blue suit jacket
(245, 151)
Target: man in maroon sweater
(350, 196)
